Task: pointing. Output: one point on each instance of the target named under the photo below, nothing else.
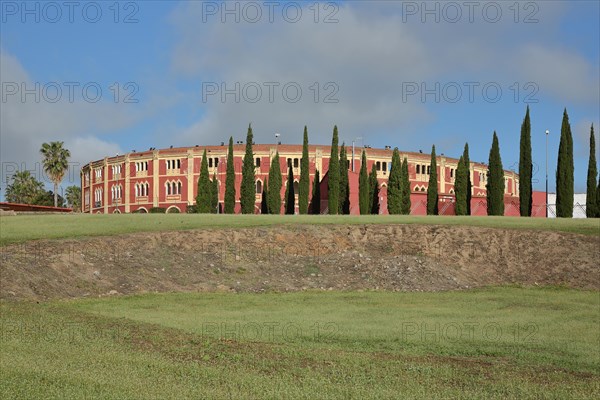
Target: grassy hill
(22, 228)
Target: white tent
(578, 205)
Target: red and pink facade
(167, 178)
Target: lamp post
(277, 135)
(547, 205)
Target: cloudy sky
(108, 79)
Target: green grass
(492, 343)
(30, 227)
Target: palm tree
(73, 195)
(56, 163)
(24, 188)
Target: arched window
(296, 188)
(179, 187)
(137, 189)
(258, 187)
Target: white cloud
(27, 123)
(368, 54)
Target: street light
(547, 205)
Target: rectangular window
(173, 164)
(295, 163)
(257, 163)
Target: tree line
(25, 188)
(398, 184)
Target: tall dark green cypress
(564, 171)
(363, 186)
(248, 188)
(495, 184)
(373, 191)
(460, 188)
(591, 202)
(303, 185)
(230, 181)
(405, 189)
(468, 177)
(598, 198)
(525, 167)
(275, 182)
(203, 197)
(333, 184)
(214, 195)
(290, 197)
(344, 181)
(316, 194)
(264, 205)
(432, 187)
(394, 192)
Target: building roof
(263, 148)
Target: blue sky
(373, 59)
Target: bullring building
(167, 178)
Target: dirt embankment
(398, 257)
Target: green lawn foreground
(14, 229)
(490, 343)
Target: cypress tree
(467, 162)
(304, 177)
(591, 202)
(316, 194)
(495, 184)
(230, 181)
(247, 195)
(598, 199)
(525, 167)
(405, 189)
(214, 195)
(333, 184)
(460, 188)
(264, 204)
(394, 192)
(564, 171)
(275, 182)
(432, 187)
(203, 198)
(344, 181)
(290, 198)
(364, 191)
(373, 191)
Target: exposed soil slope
(398, 257)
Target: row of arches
(142, 189)
(259, 186)
(173, 187)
